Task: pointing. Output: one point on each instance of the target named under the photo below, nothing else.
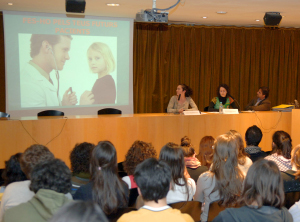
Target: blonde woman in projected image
(102, 62)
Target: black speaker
(272, 18)
(77, 6)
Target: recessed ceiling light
(257, 20)
(204, 17)
(221, 12)
(10, 3)
(112, 4)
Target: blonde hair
(229, 177)
(296, 160)
(241, 148)
(105, 51)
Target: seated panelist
(223, 97)
(182, 101)
(261, 102)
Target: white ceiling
(239, 12)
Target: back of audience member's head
(241, 148)
(52, 175)
(263, 185)
(34, 155)
(80, 157)
(153, 178)
(106, 182)
(138, 152)
(296, 160)
(205, 155)
(229, 177)
(253, 136)
(173, 155)
(282, 144)
(12, 172)
(187, 147)
(79, 211)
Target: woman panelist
(223, 97)
(182, 100)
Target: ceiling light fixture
(10, 3)
(221, 12)
(112, 4)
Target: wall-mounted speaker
(272, 19)
(75, 6)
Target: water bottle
(221, 108)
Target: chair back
(192, 208)
(109, 111)
(5, 115)
(50, 113)
(215, 208)
(291, 198)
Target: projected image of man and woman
(64, 70)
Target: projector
(149, 15)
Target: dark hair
(205, 155)
(12, 172)
(173, 155)
(52, 175)
(263, 185)
(80, 157)
(37, 40)
(225, 86)
(187, 89)
(108, 190)
(187, 147)
(229, 178)
(253, 136)
(79, 211)
(138, 152)
(34, 155)
(153, 177)
(282, 144)
(265, 91)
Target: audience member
(12, 172)
(205, 155)
(80, 163)
(192, 164)
(295, 211)
(18, 192)
(138, 152)
(224, 180)
(291, 178)
(153, 180)
(281, 153)
(253, 137)
(182, 188)
(105, 187)
(244, 161)
(50, 181)
(79, 211)
(262, 198)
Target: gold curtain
(203, 57)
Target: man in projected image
(48, 52)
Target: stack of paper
(283, 108)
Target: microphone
(179, 97)
(234, 100)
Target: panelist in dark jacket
(261, 102)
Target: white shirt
(36, 90)
(295, 211)
(179, 193)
